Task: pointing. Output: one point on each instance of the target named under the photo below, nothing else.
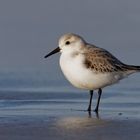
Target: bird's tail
(133, 68)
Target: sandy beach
(65, 119)
(63, 126)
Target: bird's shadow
(91, 114)
(96, 114)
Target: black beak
(53, 52)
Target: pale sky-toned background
(29, 29)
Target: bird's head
(68, 43)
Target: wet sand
(57, 120)
(70, 127)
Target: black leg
(90, 102)
(98, 102)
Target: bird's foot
(96, 110)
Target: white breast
(75, 71)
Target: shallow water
(121, 98)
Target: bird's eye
(67, 43)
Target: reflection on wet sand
(91, 120)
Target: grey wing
(100, 60)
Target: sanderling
(89, 67)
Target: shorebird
(89, 67)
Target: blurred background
(30, 29)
